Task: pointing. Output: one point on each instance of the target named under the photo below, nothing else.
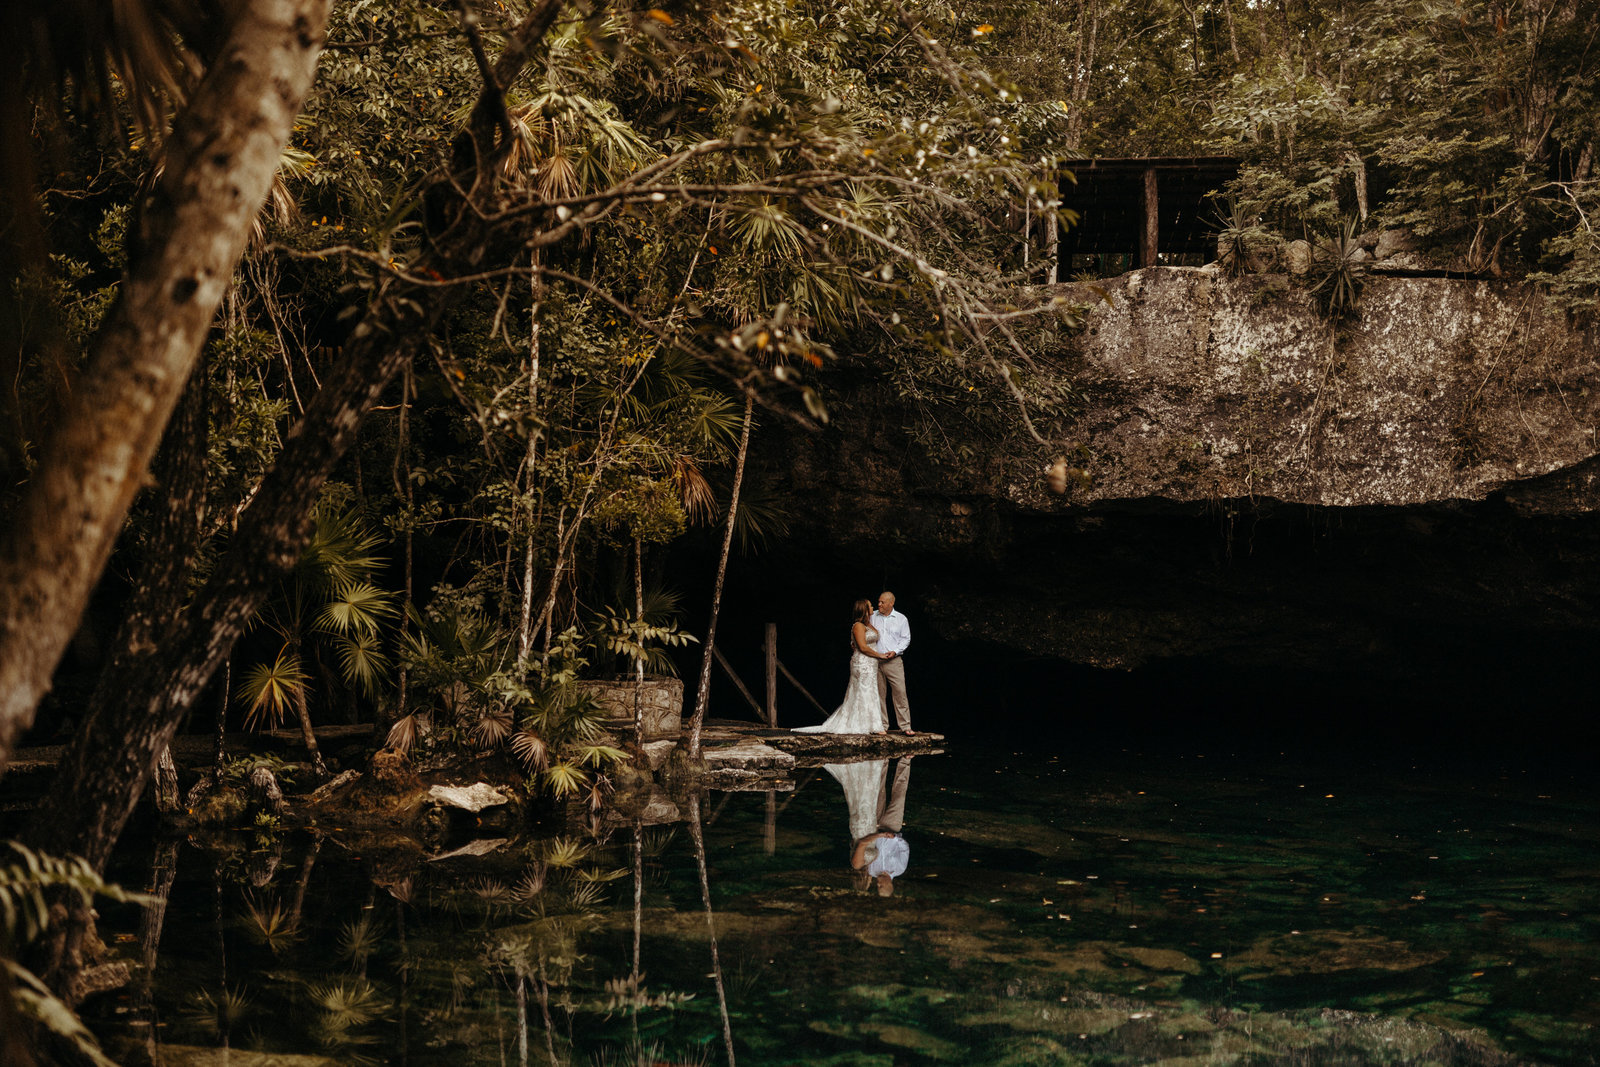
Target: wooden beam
(737, 682)
(771, 644)
(1150, 240)
(796, 683)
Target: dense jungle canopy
(359, 362)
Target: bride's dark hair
(863, 611)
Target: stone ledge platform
(738, 752)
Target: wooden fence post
(772, 675)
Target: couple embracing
(878, 642)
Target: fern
(36, 1002)
(25, 914)
(23, 909)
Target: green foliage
(25, 914)
(329, 605)
(1337, 262)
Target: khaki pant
(892, 683)
(892, 807)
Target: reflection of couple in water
(877, 812)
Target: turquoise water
(1110, 908)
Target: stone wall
(1251, 482)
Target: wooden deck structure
(1144, 206)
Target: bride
(862, 710)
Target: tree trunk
(163, 578)
(106, 768)
(308, 735)
(703, 690)
(167, 799)
(698, 836)
(221, 157)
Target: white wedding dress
(863, 784)
(862, 710)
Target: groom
(894, 635)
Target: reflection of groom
(894, 635)
(883, 856)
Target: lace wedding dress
(863, 784)
(862, 710)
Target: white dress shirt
(888, 855)
(894, 633)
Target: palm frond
(694, 492)
(565, 852)
(270, 690)
(596, 755)
(271, 925)
(34, 1000)
(356, 607)
(362, 661)
(358, 939)
(564, 779)
(402, 735)
(216, 1013)
(350, 1001)
(531, 884)
(493, 726)
(529, 747)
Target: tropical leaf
(356, 607)
(270, 690)
(35, 1001)
(565, 852)
(217, 1014)
(362, 661)
(493, 726)
(23, 882)
(529, 747)
(402, 735)
(531, 884)
(350, 1002)
(597, 755)
(271, 925)
(358, 939)
(564, 779)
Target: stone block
(660, 701)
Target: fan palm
(329, 602)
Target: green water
(1111, 909)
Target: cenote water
(1110, 907)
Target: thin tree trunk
(525, 636)
(307, 734)
(164, 871)
(407, 493)
(221, 156)
(219, 750)
(702, 695)
(638, 663)
(711, 923)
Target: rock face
(1238, 479)
(1198, 387)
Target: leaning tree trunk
(107, 767)
(159, 589)
(702, 696)
(220, 160)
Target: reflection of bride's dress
(863, 790)
(862, 710)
